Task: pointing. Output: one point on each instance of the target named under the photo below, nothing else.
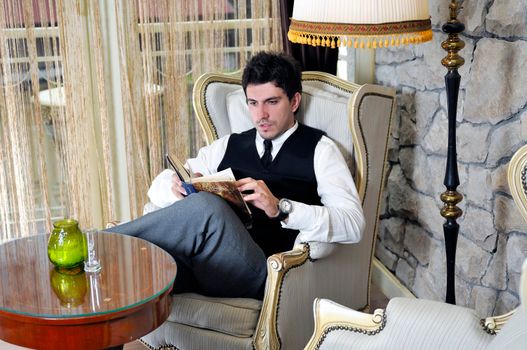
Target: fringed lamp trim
(360, 35)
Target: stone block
(488, 98)
(439, 12)
(478, 189)
(405, 272)
(506, 18)
(504, 139)
(427, 286)
(392, 228)
(507, 216)
(385, 75)
(471, 142)
(473, 15)
(506, 302)
(414, 165)
(417, 241)
(436, 139)
(426, 106)
(495, 275)
(402, 201)
(392, 54)
(478, 226)
(499, 181)
(483, 300)
(393, 148)
(412, 73)
(386, 257)
(463, 291)
(471, 260)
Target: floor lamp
(450, 211)
(383, 23)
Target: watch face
(286, 206)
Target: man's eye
(252, 103)
(273, 102)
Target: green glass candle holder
(66, 246)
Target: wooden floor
(378, 300)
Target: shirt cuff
(160, 192)
(309, 219)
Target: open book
(222, 184)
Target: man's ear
(295, 101)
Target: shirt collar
(277, 142)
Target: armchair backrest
(354, 116)
(357, 118)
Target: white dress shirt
(339, 219)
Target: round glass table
(46, 309)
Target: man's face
(271, 110)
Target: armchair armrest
(405, 324)
(330, 315)
(294, 281)
(266, 335)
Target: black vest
(290, 175)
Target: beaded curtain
(57, 150)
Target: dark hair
(271, 67)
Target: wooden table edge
(86, 332)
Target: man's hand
(261, 197)
(177, 187)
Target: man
(293, 177)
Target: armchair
(423, 324)
(418, 324)
(358, 118)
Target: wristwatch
(285, 207)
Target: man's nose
(262, 111)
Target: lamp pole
(451, 197)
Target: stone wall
(491, 126)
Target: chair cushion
(233, 316)
(179, 336)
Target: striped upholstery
(234, 316)
(417, 324)
(178, 336)
(200, 322)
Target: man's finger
(244, 181)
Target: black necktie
(267, 158)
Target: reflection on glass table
(126, 299)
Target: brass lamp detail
(450, 210)
(453, 44)
(451, 197)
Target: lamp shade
(360, 23)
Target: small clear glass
(91, 262)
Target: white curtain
(57, 114)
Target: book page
(222, 183)
(224, 175)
